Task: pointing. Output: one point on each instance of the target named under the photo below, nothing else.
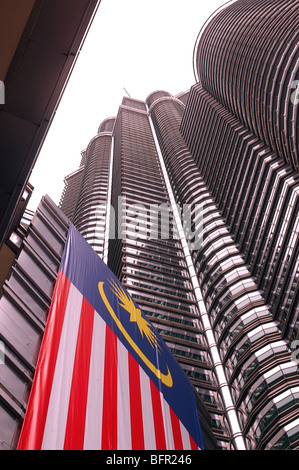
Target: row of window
(272, 410)
(156, 277)
(156, 288)
(153, 266)
(162, 302)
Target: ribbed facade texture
(241, 126)
(72, 186)
(84, 199)
(148, 257)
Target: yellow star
(135, 315)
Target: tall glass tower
(241, 126)
(128, 220)
(221, 284)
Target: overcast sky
(139, 45)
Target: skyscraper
(241, 126)
(228, 307)
(148, 258)
(192, 201)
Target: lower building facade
(255, 352)
(240, 125)
(24, 305)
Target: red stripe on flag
(75, 426)
(176, 430)
(135, 406)
(194, 446)
(158, 418)
(34, 423)
(109, 422)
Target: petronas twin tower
(228, 310)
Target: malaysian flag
(104, 379)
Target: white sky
(139, 45)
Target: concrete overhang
(40, 42)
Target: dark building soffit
(34, 84)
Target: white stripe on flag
(147, 412)
(167, 424)
(124, 441)
(55, 426)
(94, 411)
(185, 437)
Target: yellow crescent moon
(166, 379)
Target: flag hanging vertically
(104, 378)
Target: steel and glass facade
(84, 199)
(255, 355)
(230, 147)
(241, 126)
(145, 252)
(222, 292)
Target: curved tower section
(256, 358)
(240, 125)
(85, 197)
(247, 59)
(147, 256)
